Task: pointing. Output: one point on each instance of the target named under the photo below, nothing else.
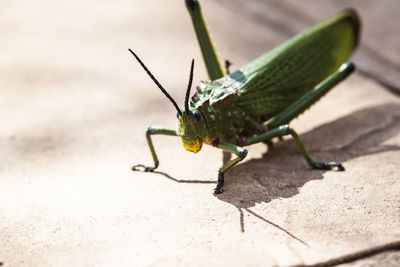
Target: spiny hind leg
(301, 105)
(312, 96)
(287, 130)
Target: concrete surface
(74, 106)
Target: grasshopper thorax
(192, 129)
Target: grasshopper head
(192, 127)
(192, 130)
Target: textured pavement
(74, 107)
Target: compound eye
(177, 115)
(196, 115)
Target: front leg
(150, 131)
(240, 152)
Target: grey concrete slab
(74, 106)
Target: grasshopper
(255, 103)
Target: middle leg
(240, 152)
(287, 130)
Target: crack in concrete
(375, 77)
(351, 257)
(392, 125)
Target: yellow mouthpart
(192, 144)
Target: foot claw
(340, 167)
(218, 191)
(141, 167)
(328, 166)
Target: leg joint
(148, 130)
(348, 67)
(286, 128)
(243, 153)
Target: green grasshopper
(255, 103)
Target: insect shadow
(282, 171)
(183, 181)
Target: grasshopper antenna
(156, 82)
(188, 88)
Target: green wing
(272, 82)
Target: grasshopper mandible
(256, 103)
